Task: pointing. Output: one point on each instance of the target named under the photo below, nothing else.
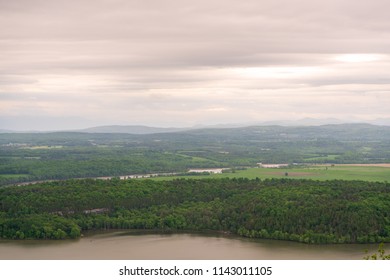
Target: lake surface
(133, 246)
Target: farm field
(379, 173)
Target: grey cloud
(173, 56)
(15, 80)
(351, 80)
(183, 34)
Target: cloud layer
(66, 64)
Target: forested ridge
(288, 209)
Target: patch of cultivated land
(291, 174)
(368, 164)
(372, 172)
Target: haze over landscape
(78, 64)
(194, 130)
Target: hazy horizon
(124, 127)
(179, 63)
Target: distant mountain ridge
(344, 132)
(131, 129)
(341, 132)
(143, 129)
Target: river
(185, 246)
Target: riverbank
(365, 172)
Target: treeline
(299, 210)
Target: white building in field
(209, 170)
(277, 165)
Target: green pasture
(12, 176)
(315, 172)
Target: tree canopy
(288, 209)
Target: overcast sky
(74, 64)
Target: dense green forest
(63, 155)
(299, 210)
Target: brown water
(125, 245)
